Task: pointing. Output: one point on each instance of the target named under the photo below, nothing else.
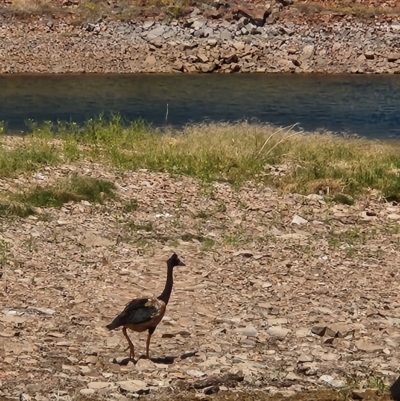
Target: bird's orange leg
(131, 347)
(151, 331)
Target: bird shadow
(167, 360)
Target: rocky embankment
(324, 43)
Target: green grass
(234, 153)
(27, 156)
(8, 209)
(72, 190)
(377, 383)
(131, 206)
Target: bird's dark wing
(136, 312)
(395, 390)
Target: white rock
(278, 332)
(305, 358)
(195, 373)
(248, 331)
(299, 220)
(332, 382)
(148, 24)
(292, 376)
(394, 216)
(315, 197)
(308, 51)
(87, 391)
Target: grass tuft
(343, 199)
(26, 155)
(8, 209)
(131, 206)
(74, 190)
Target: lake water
(367, 105)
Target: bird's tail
(115, 323)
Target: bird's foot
(131, 353)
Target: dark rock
(211, 390)
(256, 16)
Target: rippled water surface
(361, 104)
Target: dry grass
(347, 8)
(85, 10)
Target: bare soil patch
(81, 10)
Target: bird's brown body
(156, 316)
(146, 313)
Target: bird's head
(174, 261)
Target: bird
(146, 313)
(395, 390)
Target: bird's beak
(181, 263)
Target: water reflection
(361, 104)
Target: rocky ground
(281, 293)
(223, 37)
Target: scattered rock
(211, 390)
(87, 391)
(305, 358)
(315, 197)
(299, 220)
(195, 373)
(155, 33)
(248, 331)
(246, 253)
(332, 382)
(366, 346)
(99, 385)
(295, 44)
(33, 388)
(393, 57)
(278, 332)
(91, 239)
(358, 394)
(134, 386)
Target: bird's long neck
(168, 286)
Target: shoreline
(200, 45)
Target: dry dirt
(161, 9)
(283, 294)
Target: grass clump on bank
(76, 189)
(27, 155)
(234, 153)
(8, 209)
